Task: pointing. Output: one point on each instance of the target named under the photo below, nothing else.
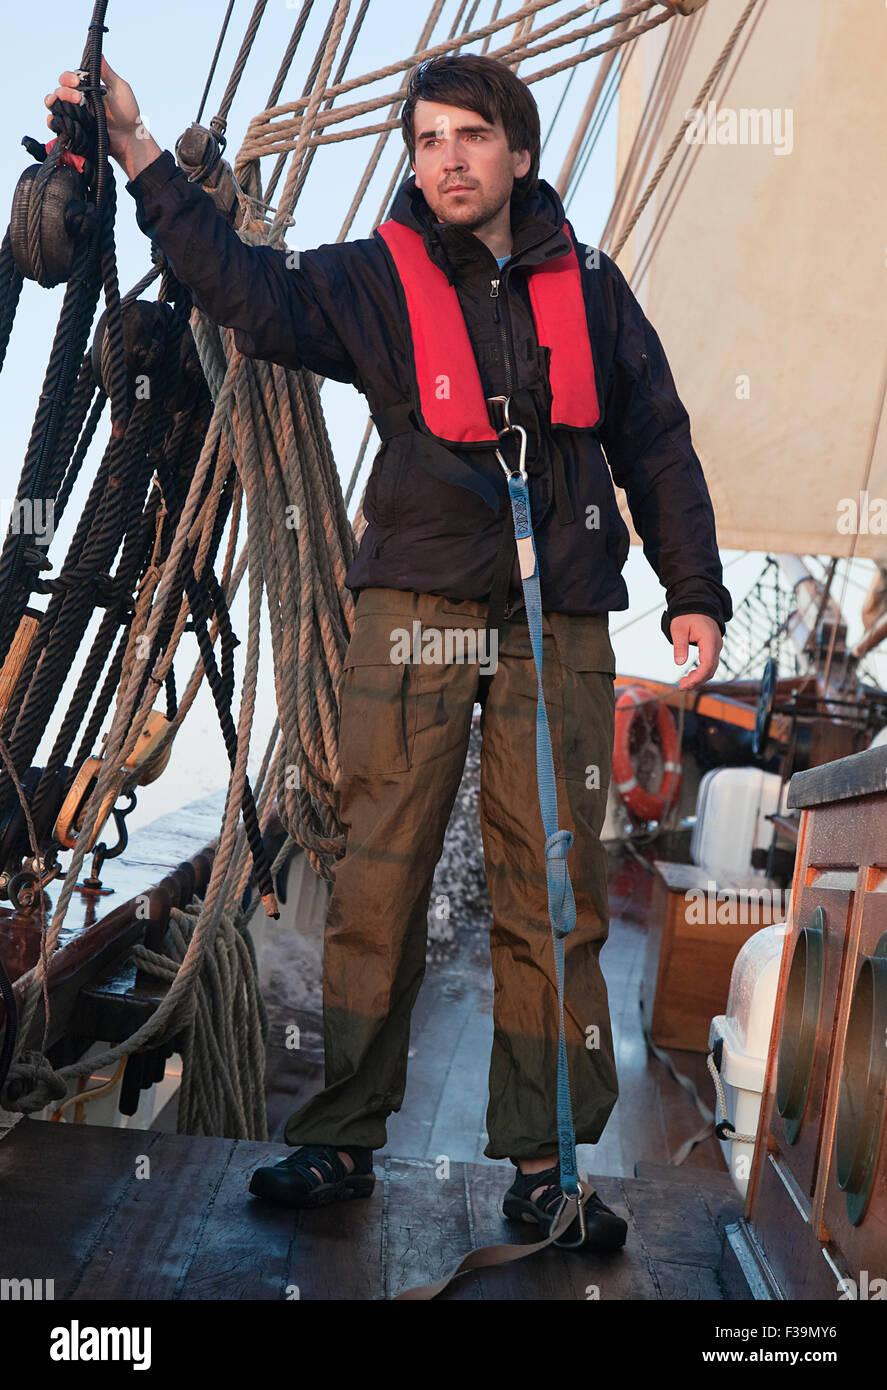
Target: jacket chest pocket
(377, 706)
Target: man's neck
(495, 234)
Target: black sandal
(604, 1230)
(293, 1183)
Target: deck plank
(428, 1227)
(244, 1249)
(69, 1177)
(337, 1251)
(674, 1222)
(191, 1230)
(146, 1245)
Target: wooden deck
(444, 1108)
(141, 1215)
(74, 1207)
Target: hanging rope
(223, 1049)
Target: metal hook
(580, 1212)
(521, 467)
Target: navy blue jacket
(337, 310)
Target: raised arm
(277, 301)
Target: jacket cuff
(153, 176)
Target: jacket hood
(537, 224)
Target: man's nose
(453, 156)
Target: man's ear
(522, 164)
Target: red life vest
(442, 350)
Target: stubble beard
(471, 218)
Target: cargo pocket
(585, 752)
(377, 707)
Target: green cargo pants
(403, 739)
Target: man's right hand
(129, 140)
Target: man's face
(463, 165)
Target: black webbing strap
(433, 456)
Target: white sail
(763, 266)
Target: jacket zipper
(510, 607)
(494, 295)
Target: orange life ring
(644, 800)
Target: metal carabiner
(572, 1244)
(521, 467)
(509, 428)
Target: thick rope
(290, 189)
(223, 1049)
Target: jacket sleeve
(273, 298)
(646, 436)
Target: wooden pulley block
(145, 759)
(69, 822)
(145, 756)
(61, 192)
(685, 7)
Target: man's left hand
(705, 633)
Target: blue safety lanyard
(561, 903)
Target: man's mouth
(458, 188)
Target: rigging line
(306, 89)
(273, 139)
(343, 63)
(600, 118)
(493, 18)
(215, 59)
(580, 131)
(564, 94)
(669, 200)
(673, 40)
(245, 48)
(741, 555)
(403, 65)
(359, 460)
(678, 44)
(873, 441)
(372, 163)
(286, 64)
(700, 99)
(596, 125)
(616, 42)
(309, 83)
(674, 193)
(6, 758)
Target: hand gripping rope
(561, 902)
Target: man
(472, 293)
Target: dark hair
(483, 85)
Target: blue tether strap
(561, 903)
(561, 906)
